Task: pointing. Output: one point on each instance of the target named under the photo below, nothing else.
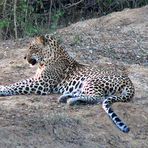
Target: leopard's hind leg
(72, 99)
(85, 99)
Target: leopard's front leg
(28, 86)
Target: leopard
(59, 73)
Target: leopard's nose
(25, 57)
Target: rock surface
(40, 122)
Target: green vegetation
(28, 18)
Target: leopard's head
(41, 50)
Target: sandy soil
(40, 122)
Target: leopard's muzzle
(31, 61)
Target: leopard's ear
(41, 39)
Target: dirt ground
(40, 122)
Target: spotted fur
(59, 73)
